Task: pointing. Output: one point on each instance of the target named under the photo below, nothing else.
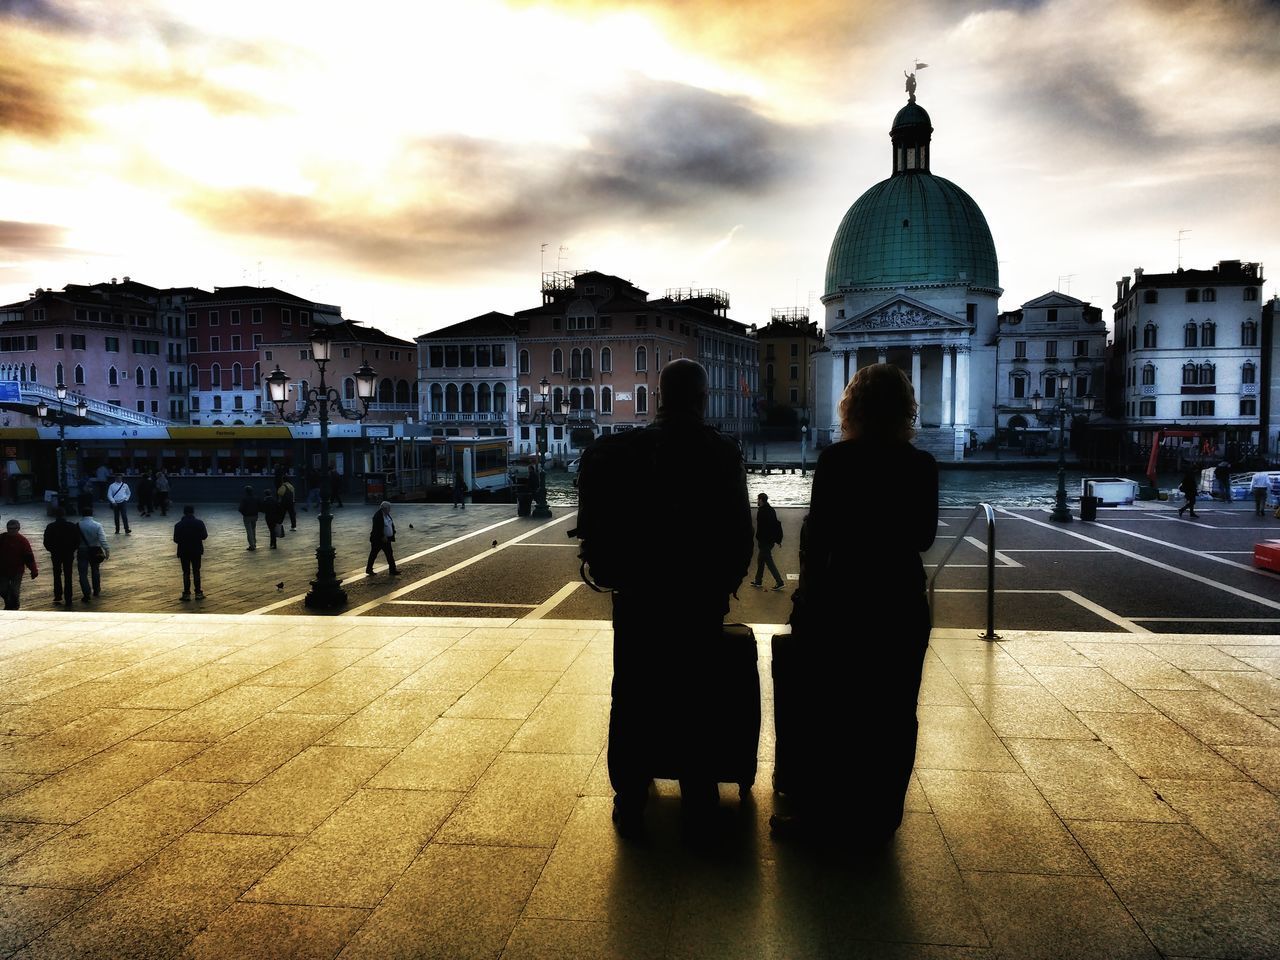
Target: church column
(839, 361)
(915, 380)
(946, 384)
(962, 385)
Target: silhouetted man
(61, 538)
(684, 543)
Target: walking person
(768, 534)
(249, 509)
(1260, 486)
(313, 489)
(274, 516)
(189, 534)
(146, 493)
(1222, 479)
(61, 539)
(91, 552)
(381, 536)
(15, 557)
(861, 619)
(287, 495)
(101, 478)
(459, 491)
(118, 495)
(1190, 486)
(162, 491)
(335, 487)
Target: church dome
(912, 115)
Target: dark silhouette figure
(189, 534)
(1190, 486)
(146, 493)
(1222, 479)
(162, 492)
(15, 556)
(249, 509)
(288, 502)
(335, 488)
(61, 538)
(768, 535)
(679, 546)
(860, 620)
(272, 513)
(381, 536)
(459, 491)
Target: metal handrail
(991, 566)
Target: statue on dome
(911, 81)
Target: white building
(1187, 350)
(467, 377)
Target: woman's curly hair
(879, 403)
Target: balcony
(1199, 388)
(1248, 389)
(1148, 390)
(391, 407)
(458, 416)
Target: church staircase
(945, 443)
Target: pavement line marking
(1224, 587)
(1104, 613)
(1243, 553)
(562, 546)
(1055, 550)
(460, 565)
(999, 555)
(553, 601)
(458, 603)
(1208, 619)
(1173, 546)
(359, 574)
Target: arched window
(1248, 373)
(402, 391)
(1189, 335)
(557, 398)
(113, 378)
(61, 378)
(1149, 335)
(1206, 373)
(575, 398)
(575, 364)
(606, 395)
(154, 378)
(606, 360)
(468, 398)
(1050, 384)
(437, 398)
(483, 398)
(588, 399)
(257, 374)
(137, 377)
(237, 373)
(1019, 386)
(348, 388)
(557, 360)
(1248, 334)
(451, 398)
(642, 398)
(524, 395)
(524, 361)
(642, 359)
(1208, 333)
(1148, 374)
(413, 392)
(1188, 374)
(79, 375)
(586, 363)
(386, 391)
(215, 377)
(500, 398)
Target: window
(575, 364)
(575, 399)
(304, 354)
(213, 318)
(236, 373)
(641, 321)
(524, 361)
(794, 371)
(1248, 407)
(1081, 348)
(468, 355)
(193, 345)
(1189, 335)
(1052, 315)
(142, 406)
(795, 350)
(1206, 373)
(255, 315)
(304, 317)
(557, 361)
(556, 323)
(1188, 374)
(1193, 296)
(235, 342)
(113, 378)
(499, 354)
(257, 374)
(1208, 296)
(79, 374)
(482, 355)
(557, 398)
(195, 404)
(642, 359)
(237, 402)
(60, 377)
(1019, 386)
(499, 398)
(606, 400)
(77, 341)
(1148, 374)
(286, 316)
(257, 341)
(235, 318)
(1208, 333)
(1248, 334)
(217, 402)
(451, 356)
(137, 377)
(1150, 296)
(642, 397)
(1251, 293)
(57, 341)
(1206, 408)
(111, 344)
(1019, 349)
(1082, 385)
(1051, 349)
(1149, 335)
(191, 319)
(1248, 373)
(194, 374)
(215, 377)
(606, 361)
(1189, 407)
(267, 354)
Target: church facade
(912, 279)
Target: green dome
(913, 228)
(912, 115)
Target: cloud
(662, 152)
(19, 239)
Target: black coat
(62, 537)
(768, 529)
(379, 533)
(189, 534)
(249, 506)
(272, 512)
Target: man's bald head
(684, 387)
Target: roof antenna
(560, 255)
(1180, 233)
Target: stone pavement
(279, 786)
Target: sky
(420, 163)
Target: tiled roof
(491, 324)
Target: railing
(984, 508)
(119, 414)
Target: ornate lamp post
(326, 589)
(1062, 406)
(542, 416)
(42, 411)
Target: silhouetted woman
(862, 618)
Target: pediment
(1052, 299)
(901, 313)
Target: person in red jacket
(15, 555)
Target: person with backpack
(285, 493)
(249, 510)
(665, 523)
(768, 535)
(189, 534)
(91, 552)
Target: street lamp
(804, 448)
(1062, 406)
(542, 416)
(42, 411)
(326, 589)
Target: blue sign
(10, 391)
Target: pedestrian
(1260, 486)
(273, 515)
(1222, 479)
(91, 552)
(162, 491)
(313, 489)
(146, 493)
(768, 534)
(335, 486)
(249, 509)
(101, 478)
(381, 536)
(15, 556)
(669, 597)
(459, 491)
(189, 534)
(118, 495)
(860, 620)
(286, 494)
(61, 539)
(1190, 486)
